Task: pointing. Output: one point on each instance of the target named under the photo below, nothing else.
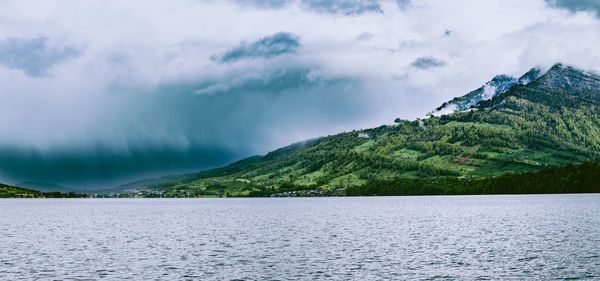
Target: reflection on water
(470, 237)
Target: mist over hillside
(550, 122)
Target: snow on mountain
(498, 85)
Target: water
(463, 237)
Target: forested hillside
(7, 191)
(551, 121)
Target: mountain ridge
(498, 85)
(538, 121)
(541, 120)
(45, 187)
(9, 191)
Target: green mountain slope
(552, 121)
(7, 191)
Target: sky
(96, 93)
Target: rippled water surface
(471, 237)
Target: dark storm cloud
(33, 56)
(102, 167)
(213, 122)
(267, 47)
(577, 5)
(427, 62)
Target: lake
(362, 238)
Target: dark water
(472, 237)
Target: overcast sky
(95, 93)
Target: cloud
(74, 168)
(347, 7)
(264, 3)
(271, 46)
(179, 126)
(403, 3)
(33, 56)
(427, 62)
(577, 5)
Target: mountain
(543, 120)
(136, 186)
(498, 85)
(45, 187)
(7, 191)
